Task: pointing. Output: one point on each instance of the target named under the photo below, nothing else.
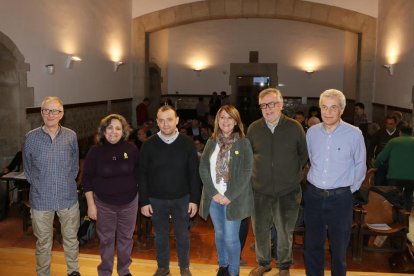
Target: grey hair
(273, 91)
(52, 98)
(336, 94)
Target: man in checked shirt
(51, 163)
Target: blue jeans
(227, 238)
(178, 209)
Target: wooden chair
(379, 210)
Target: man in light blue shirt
(337, 156)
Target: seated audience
(313, 121)
(379, 140)
(314, 111)
(199, 145)
(300, 117)
(201, 109)
(194, 129)
(14, 164)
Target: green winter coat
(239, 190)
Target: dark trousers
(115, 222)
(332, 214)
(281, 212)
(244, 230)
(178, 209)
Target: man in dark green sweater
(399, 152)
(169, 185)
(280, 153)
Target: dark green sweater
(278, 157)
(168, 171)
(399, 152)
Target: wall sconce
(70, 59)
(117, 64)
(197, 71)
(309, 72)
(390, 68)
(50, 69)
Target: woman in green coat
(225, 169)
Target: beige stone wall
(15, 95)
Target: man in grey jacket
(280, 152)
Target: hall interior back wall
(294, 46)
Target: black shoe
(129, 274)
(223, 271)
(74, 273)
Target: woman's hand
(92, 212)
(223, 200)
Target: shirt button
(324, 171)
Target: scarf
(223, 160)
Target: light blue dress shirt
(338, 159)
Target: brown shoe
(185, 272)
(284, 272)
(162, 272)
(258, 271)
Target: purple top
(111, 171)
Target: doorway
(247, 80)
(248, 89)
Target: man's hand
(146, 210)
(192, 209)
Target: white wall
(395, 46)
(47, 31)
(369, 7)
(293, 45)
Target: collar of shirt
(272, 126)
(170, 139)
(390, 132)
(335, 129)
(57, 131)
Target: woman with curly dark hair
(111, 189)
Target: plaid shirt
(51, 167)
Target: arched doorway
(15, 97)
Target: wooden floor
(20, 261)
(17, 254)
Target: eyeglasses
(46, 111)
(268, 105)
